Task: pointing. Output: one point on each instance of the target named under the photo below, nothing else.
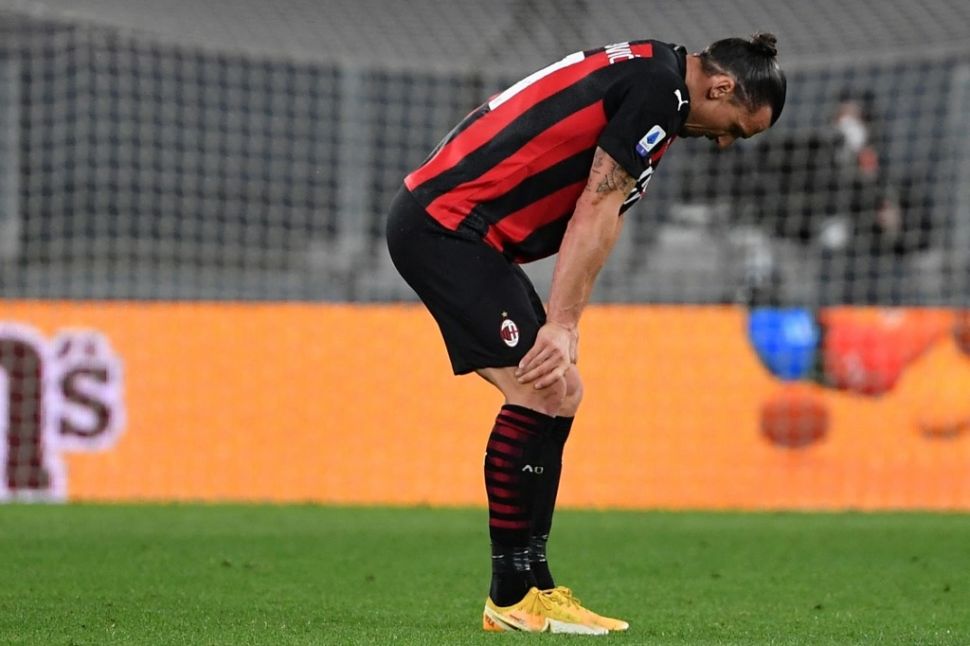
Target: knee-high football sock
(512, 473)
(544, 501)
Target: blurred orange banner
(356, 404)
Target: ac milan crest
(510, 333)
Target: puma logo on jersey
(680, 100)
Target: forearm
(588, 240)
(584, 251)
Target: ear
(721, 87)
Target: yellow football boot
(538, 612)
(564, 596)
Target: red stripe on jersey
(494, 239)
(487, 127)
(518, 226)
(642, 50)
(655, 158)
(578, 132)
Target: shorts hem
(466, 368)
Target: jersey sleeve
(648, 110)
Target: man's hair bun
(752, 63)
(765, 43)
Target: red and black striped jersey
(514, 168)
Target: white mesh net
(234, 150)
(178, 152)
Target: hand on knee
(546, 400)
(574, 393)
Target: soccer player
(550, 166)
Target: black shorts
(486, 306)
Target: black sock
(511, 575)
(512, 472)
(544, 502)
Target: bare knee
(574, 393)
(548, 400)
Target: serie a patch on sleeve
(650, 140)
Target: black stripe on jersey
(524, 128)
(568, 171)
(541, 243)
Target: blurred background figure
(835, 213)
(866, 251)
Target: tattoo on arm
(612, 176)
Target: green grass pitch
(196, 574)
